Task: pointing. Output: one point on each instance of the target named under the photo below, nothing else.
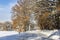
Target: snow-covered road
(30, 35)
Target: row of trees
(34, 13)
(6, 26)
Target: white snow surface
(31, 35)
(7, 33)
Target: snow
(46, 34)
(31, 35)
(7, 33)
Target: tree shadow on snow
(11, 37)
(28, 36)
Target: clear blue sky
(5, 9)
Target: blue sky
(5, 9)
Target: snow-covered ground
(7, 33)
(31, 35)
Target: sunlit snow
(31, 35)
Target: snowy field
(30, 35)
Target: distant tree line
(6, 26)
